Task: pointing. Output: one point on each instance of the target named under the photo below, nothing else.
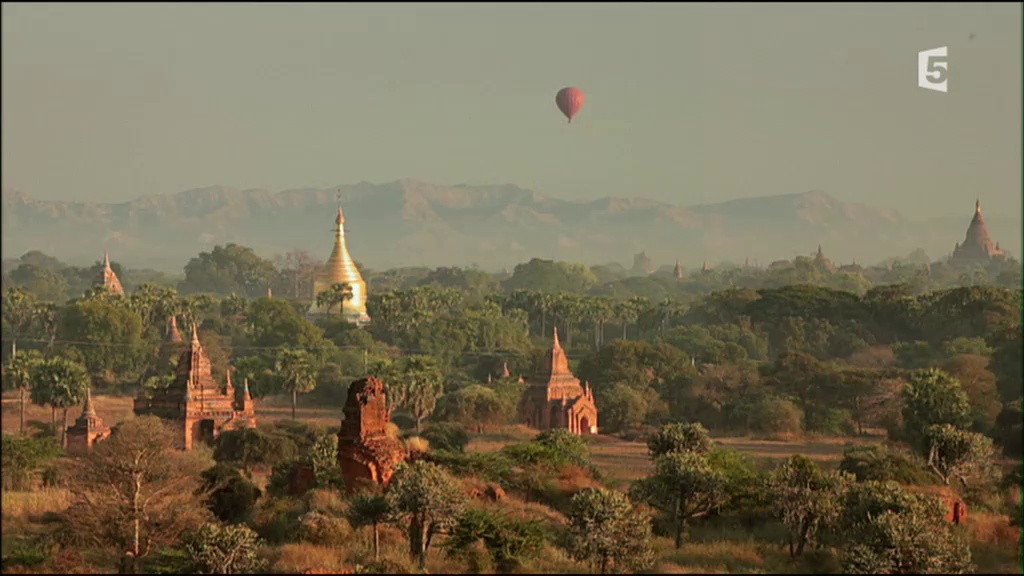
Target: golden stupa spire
(341, 269)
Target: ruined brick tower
(366, 451)
(203, 407)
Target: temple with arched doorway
(201, 406)
(556, 399)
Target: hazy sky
(686, 103)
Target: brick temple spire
(977, 245)
(109, 279)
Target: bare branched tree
(135, 493)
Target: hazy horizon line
(565, 197)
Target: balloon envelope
(569, 101)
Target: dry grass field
(711, 549)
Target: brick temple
(201, 406)
(556, 399)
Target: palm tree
(415, 385)
(297, 372)
(336, 295)
(19, 374)
(47, 317)
(370, 510)
(18, 312)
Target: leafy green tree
(550, 277)
(805, 499)
(509, 541)
(887, 529)
(429, 498)
(1008, 428)
(18, 375)
(274, 323)
(231, 496)
(370, 510)
(61, 383)
(474, 406)
(336, 295)
(258, 371)
(979, 384)
(46, 315)
(23, 457)
(684, 486)
(110, 335)
(40, 282)
(18, 307)
(297, 371)
(323, 458)
(960, 454)
(1007, 362)
(215, 549)
(228, 269)
(250, 447)
(878, 463)
(680, 437)
(606, 531)
(933, 397)
(446, 436)
(622, 407)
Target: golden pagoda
(340, 269)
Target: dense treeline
(938, 371)
(769, 361)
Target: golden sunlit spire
(341, 269)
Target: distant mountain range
(407, 222)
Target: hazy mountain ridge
(408, 222)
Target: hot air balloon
(569, 101)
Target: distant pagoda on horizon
(108, 279)
(977, 245)
(341, 269)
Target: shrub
(509, 541)
(608, 532)
(249, 447)
(232, 497)
(680, 437)
(215, 549)
(322, 529)
(23, 458)
(446, 436)
(775, 417)
(879, 463)
(277, 520)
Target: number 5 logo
(932, 69)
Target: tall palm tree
(19, 374)
(18, 311)
(47, 317)
(336, 295)
(297, 372)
